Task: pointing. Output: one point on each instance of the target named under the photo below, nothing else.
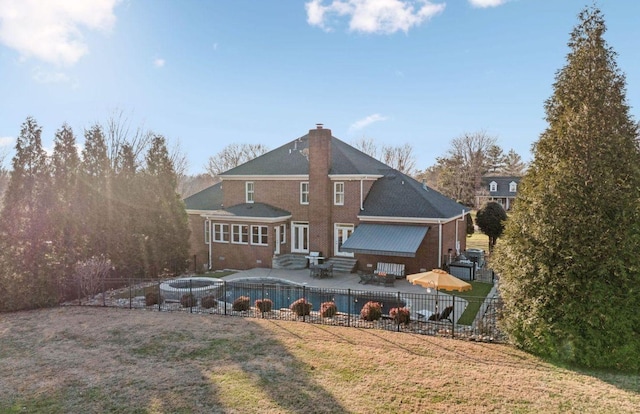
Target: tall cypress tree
(25, 226)
(167, 218)
(568, 260)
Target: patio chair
(365, 277)
(444, 315)
(389, 279)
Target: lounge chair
(444, 315)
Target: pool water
(283, 294)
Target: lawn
(474, 297)
(95, 360)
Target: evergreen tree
(95, 172)
(491, 219)
(166, 220)
(514, 166)
(568, 261)
(25, 226)
(67, 239)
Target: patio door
(340, 235)
(299, 237)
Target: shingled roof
(208, 199)
(398, 195)
(293, 159)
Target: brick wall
(320, 191)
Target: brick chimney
(320, 192)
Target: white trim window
(220, 233)
(249, 191)
(513, 186)
(240, 234)
(260, 235)
(338, 194)
(304, 192)
(493, 186)
(207, 232)
(283, 234)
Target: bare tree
(118, 132)
(90, 273)
(399, 157)
(233, 155)
(366, 145)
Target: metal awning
(385, 240)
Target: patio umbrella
(438, 279)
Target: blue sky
(210, 73)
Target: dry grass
(94, 360)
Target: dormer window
(249, 191)
(513, 187)
(493, 186)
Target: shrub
(152, 298)
(209, 301)
(188, 300)
(264, 305)
(400, 315)
(371, 311)
(243, 303)
(328, 309)
(301, 307)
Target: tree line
(113, 205)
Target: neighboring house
(319, 194)
(502, 190)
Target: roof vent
(424, 185)
(319, 126)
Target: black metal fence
(469, 318)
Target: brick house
(319, 194)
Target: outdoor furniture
(377, 278)
(314, 258)
(321, 270)
(389, 279)
(365, 277)
(424, 314)
(396, 269)
(444, 316)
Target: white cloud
(159, 62)
(487, 3)
(51, 30)
(373, 16)
(6, 141)
(367, 121)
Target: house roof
(398, 195)
(502, 183)
(293, 159)
(208, 199)
(260, 210)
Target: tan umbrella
(438, 279)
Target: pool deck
(338, 281)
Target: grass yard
(475, 297)
(95, 360)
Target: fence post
(159, 298)
(191, 297)
(304, 297)
(224, 295)
(349, 307)
(104, 294)
(130, 295)
(262, 306)
(398, 312)
(453, 317)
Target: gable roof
(502, 183)
(398, 195)
(292, 158)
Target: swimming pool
(282, 293)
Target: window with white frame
(304, 193)
(513, 187)
(338, 194)
(207, 232)
(493, 186)
(283, 234)
(259, 235)
(220, 233)
(240, 234)
(249, 191)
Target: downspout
(439, 244)
(361, 194)
(457, 220)
(210, 244)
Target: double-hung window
(240, 234)
(283, 234)
(220, 233)
(493, 186)
(513, 187)
(259, 235)
(338, 194)
(304, 193)
(249, 191)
